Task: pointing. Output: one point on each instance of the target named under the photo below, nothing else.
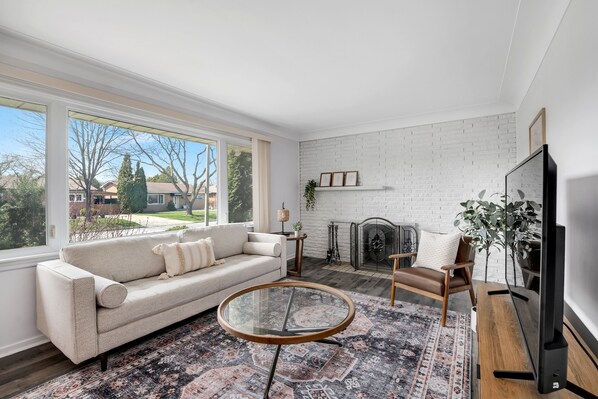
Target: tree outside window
(22, 175)
(240, 194)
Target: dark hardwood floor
(29, 368)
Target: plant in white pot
(484, 222)
(297, 227)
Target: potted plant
(297, 227)
(310, 195)
(483, 221)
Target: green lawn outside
(198, 215)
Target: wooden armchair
(432, 283)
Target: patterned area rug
(347, 268)
(399, 352)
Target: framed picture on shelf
(325, 179)
(351, 178)
(537, 131)
(338, 178)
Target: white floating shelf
(352, 188)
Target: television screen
(524, 205)
(534, 265)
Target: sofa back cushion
(228, 238)
(120, 259)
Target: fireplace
(375, 239)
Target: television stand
(506, 292)
(501, 347)
(527, 376)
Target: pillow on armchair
(437, 250)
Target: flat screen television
(534, 267)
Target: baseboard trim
(586, 335)
(16, 347)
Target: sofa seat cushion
(426, 279)
(150, 296)
(120, 259)
(240, 268)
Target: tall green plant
(483, 221)
(310, 195)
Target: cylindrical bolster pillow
(262, 248)
(109, 294)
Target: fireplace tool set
(333, 256)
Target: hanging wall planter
(310, 195)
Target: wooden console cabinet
(501, 347)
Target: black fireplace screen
(375, 239)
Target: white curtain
(261, 185)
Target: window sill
(26, 261)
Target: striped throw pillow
(181, 258)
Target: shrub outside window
(22, 174)
(240, 194)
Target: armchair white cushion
(436, 250)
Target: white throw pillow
(109, 294)
(262, 248)
(437, 250)
(181, 258)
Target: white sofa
(68, 312)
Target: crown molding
(411, 121)
(23, 52)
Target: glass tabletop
(288, 310)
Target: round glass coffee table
(285, 313)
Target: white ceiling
(311, 66)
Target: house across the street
(160, 194)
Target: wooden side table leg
(299, 256)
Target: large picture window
(22, 174)
(70, 172)
(136, 179)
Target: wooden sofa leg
(104, 361)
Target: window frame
(58, 106)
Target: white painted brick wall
(428, 170)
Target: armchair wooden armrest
(400, 256)
(396, 258)
(456, 266)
